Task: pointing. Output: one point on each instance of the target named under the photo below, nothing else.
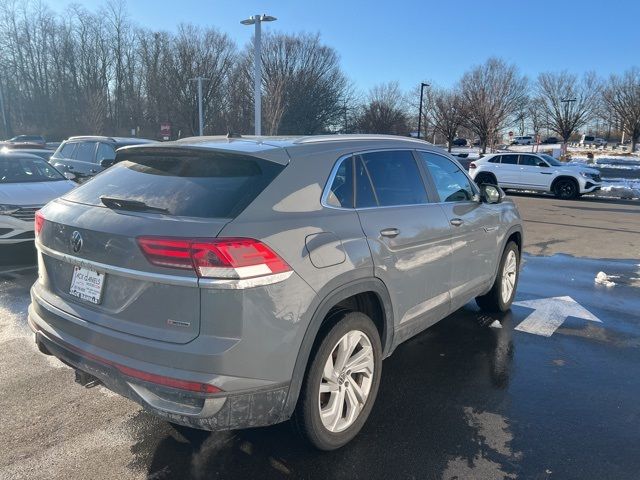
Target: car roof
(253, 143)
(116, 140)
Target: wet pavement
(468, 398)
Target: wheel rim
(566, 189)
(509, 272)
(346, 381)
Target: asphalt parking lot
(548, 390)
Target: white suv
(591, 140)
(540, 172)
(524, 140)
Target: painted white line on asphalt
(16, 270)
(550, 313)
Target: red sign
(511, 134)
(165, 130)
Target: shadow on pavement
(422, 424)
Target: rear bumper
(224, 410)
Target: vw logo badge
(76, 241)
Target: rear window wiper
(133, 205)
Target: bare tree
(303, 83)
(492, 93)
(567, 102)
(536, 115)
(621, 95)
(447, 113)
(384, 111)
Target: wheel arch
(368, 286)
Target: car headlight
(8, 209)
(593, 176)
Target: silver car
(230, 283)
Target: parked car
(87, 156)
(27, 182)
(551, 140)
(539, 172)
(591, 140)
(217, 283)
(460, 142)
(523, 140)
(43, 153)
(37, 139)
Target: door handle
(546, 173)
(456, 222)
(390, 232)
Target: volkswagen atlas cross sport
(230, 283)
(536, 171)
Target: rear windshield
(190, 184)
(31, 169)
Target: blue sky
(413, 41)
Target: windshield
(26, 169)
(551, 161)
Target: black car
(460, 142)
(84, 157)
(34, 139)
(551, 140)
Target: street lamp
(200, 119)
(257, 79)
(422, 85)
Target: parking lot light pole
(257, 74)
(200, 118)
(422, 85)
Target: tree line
(98, 72)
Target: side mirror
(107, 162)
(69, 176)
(542, 164)
(491, 194)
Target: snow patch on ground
(606, 280)
(620, 188)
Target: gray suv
(80, 158)
(231, 283)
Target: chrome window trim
(166, 279)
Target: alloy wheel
(346, 381)
(509, 272)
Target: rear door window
(85, 152)
(105, 152)
(395, 177)
(365, 196)
(182, 182)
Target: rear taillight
(229, 258)
(38, 222)
(472, 165)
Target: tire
(495, 300)
(317, 429)
(566, 189)
(485, 178)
